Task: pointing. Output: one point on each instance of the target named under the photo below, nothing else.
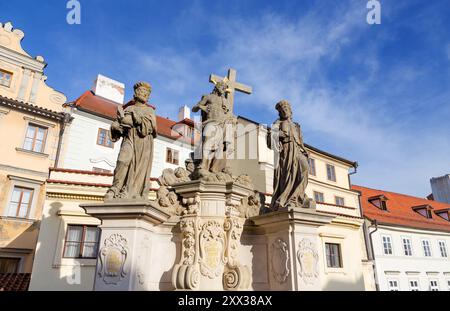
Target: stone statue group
(136, 125)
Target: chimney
(109, 89)
(184, 113)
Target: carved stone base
(133, 236)
(211, 230)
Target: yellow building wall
(18, 237)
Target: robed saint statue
(136, 125)
(291, 161)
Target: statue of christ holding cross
(218, 125)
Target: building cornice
(403, 228)
(74, 196)
(32, 109)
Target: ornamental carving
(113, 256)
(188, 231)
(308, 259)
(168, 201)
(212, 249)
(192, 205)
(280, 260)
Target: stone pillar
(134, 237)
(211, 228)
(293, 247)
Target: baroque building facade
(408, 239)
(32, 121)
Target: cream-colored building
(31, 122)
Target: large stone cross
(232, 85)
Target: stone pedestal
(211, 228)
(134, 237)
(293, 254)
(146, 247)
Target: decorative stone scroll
(186, 274)
(235, 276)
(113, 256)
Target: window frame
(390, 244)
(44, 140)
(338, 197)
(334, 172)
(410, 246)
(312, 166)
(416, 288)
(429, 248)
(11, 74)
(107, 138)
(30, 202)
(82, 241)
(321, 193)
(430, 287)
(175, 155)
(443, 249)
(339, 248)
(397, 285)
(16, 258)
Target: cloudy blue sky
(377, 94)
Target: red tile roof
(106, 108)
(399, 210)
(14, 281)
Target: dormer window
(424, 210)
(443, 213)
(379, 201)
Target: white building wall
(159, 155)
(81, 151)
(416, 267)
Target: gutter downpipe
(375, 223)
(67, 119)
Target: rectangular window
(20, 203)
(414, 285)
(35, 138)
(443, 248)
(426, 248)
(393, 285)
(318, 197)
(5, 78)
(103, 138)
(81, 241)
(407, 247)
(339, 201)
(333, 254)
(9, 265)
(387, 245)
(331, 172)
(172, 156)
(312, 166)
(434, 286)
